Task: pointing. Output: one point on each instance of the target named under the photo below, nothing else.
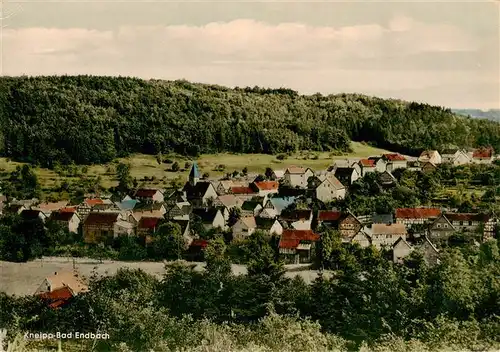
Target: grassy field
(147, 166)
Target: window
(470, 223)
(461, 223)
(445, 225)
(438, 226)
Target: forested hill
(88, 119)
(491, 114)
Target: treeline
(455, 304)
(89, 119)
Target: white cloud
(246, 52)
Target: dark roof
(146, 193)
(182, 223)
(61, 216)
(264, 223)
(13, 208)
(250, 205)
(343, 172)
(148, 223)
(198, 190)
(449, 151)
(295, 215)
(30, 214)
(382, 219)
(206, 214)
(101, 218)
(467, 217)
(329, 215)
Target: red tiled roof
(367, 162)
(148, 223)
(62, 216)
(394, 157)
(267, 185)
(242, 190)
(329, 215)
(199, 243)
(467, 217)
(146, 193)
(299, 214)
(483, 153)
(417, 213)
(57, 297)
(94, 201)
(68, 210)
(291, 238)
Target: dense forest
(88, 119)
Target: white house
(67, 219)
(297, 176)
(329, 188)
(244, 227)
(367, 166)
(455, 157)
(400, 250)
(430, 156)
(385, 235)
(395, 161)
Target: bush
(281, 156)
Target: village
(268, 203)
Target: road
(24, 278)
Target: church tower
(194, 175)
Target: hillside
(491, 114)
(88, 119)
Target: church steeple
(194, 175)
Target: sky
(443, 53)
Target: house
(347, 175)
(243, 193)
(349, 225)
(297, 176)
(147, 227)
(263, 188)
(297, 246)
(228, 200)
(428, 167)
(196, 249)
(386, 179)
(483, 156)
(149, 195)
(176, 196)
(224, 186)
(70, 279)
(400, 250)
(124, 227)
(414, 165)
(430, 156)
(126, 203)
(14, 208)
(490, 227)
(395, 161)
(32, 214)
(251, 208)
(327, 188)
(277, 175)
(211, 218)
(48, 208)
(429, 252)
(299, 219)
(441, 228)
(455, 157)
(468, 222)
(362, 239)
(380, 163)
(185, 230)
(199, 193)
(244, 227)
(328, 218)
(179, 211)
(99, 227)
(86, 206)
(148, 208)
(385, 235)
(275, 205)
(367, 166)
(68, 220)
(416, 216)
(271, 226)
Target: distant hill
(492, 114)
(93, 119)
